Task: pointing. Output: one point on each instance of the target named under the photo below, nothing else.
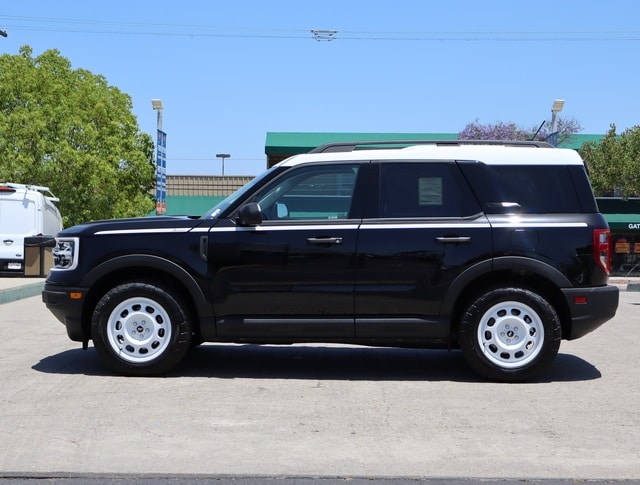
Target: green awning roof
(189, 205)
(623, 222)
(293, 143)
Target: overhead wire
(91, 26)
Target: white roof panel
(489, 154)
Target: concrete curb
(20, 292)
(633, 287)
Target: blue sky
(228, 72)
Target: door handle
(204, 248)
(453, 240)
(329, 241)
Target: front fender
(155, 262)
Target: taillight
(602, 249)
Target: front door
(293, 274)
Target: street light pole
(156, 104)
(223, 156)
(557, 106)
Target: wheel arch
(142, 267)
(507, 271)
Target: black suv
(495, 248)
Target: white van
(25, 211)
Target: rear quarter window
(528, 189)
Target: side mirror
(250, 214)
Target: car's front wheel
(140, 328)
(510, 334)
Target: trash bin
(38, 255)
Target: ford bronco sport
(494, 248)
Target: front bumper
(66, 305)
(590, 308)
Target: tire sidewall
(179, 342)
(472, 348)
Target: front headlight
(65, 253)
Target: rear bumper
(590, 308)
(11, 266)
(67, 309)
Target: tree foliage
(614, 163)
(69, 130)
(510, 131)
(498, 131)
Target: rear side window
(424, 189)
(528, 189)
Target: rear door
(422, 228)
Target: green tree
(69, 130)
(614, 163)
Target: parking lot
(244, 410)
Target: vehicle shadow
(318, 363)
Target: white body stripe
(426, 225)
(310, 227)
(144, 231)
(539, 224)
(365, 226)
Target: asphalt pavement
(298, 415)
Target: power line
(89, 26)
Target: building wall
(199, 185)
(623, 216)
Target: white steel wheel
(511, 334)
(139, 329)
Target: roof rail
(349, 146)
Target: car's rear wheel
(140, 328)
(510, 334)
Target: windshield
(230, 200)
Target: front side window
(310, 193)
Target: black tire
(141, 329)
(510, 334)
